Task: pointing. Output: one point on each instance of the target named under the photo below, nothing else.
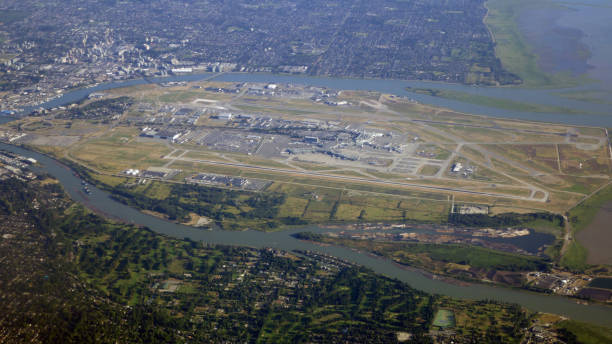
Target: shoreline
(596, 314)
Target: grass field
(575, 257)
(257, 161)
(583, 185)
(444, 318)
(317, 204)
(581, 217)
(488, 316)
(116, 152)
(308, 203)
(429, 170)
(205, 155)
(577, 161)
(541, 157)
(587, 333)
(312, 166)
(437, 151)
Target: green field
(444, 318)
(172, 288)
(586, 333)
(580, 218)
(575, 257)
(582, 215)
(118, 151)
(280, 205)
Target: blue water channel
(597, 115)
(101, 202)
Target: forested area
(82, 279)
(215, 203)
(464, 262)
(103, 109)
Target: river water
(571, 36)
(598, 115)
(100, 201)
(594, 115)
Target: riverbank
(543, 97)
(282, 240)
(499, 103)
(514, 50)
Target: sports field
(444, 318)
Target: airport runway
(362, 180)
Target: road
(425, 124)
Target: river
(100, 201)
(597, 115)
